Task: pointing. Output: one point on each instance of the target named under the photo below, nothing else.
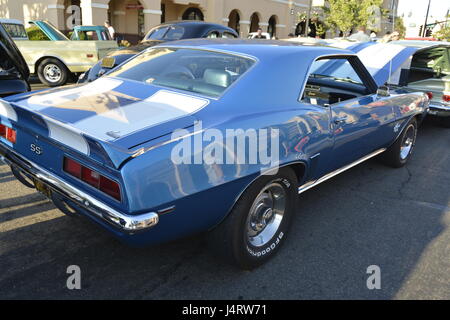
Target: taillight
(92, 178)
(446, 97)
(2, 131)
(8, 133)
(72, 167)
(430, 95)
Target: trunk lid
(119, 115)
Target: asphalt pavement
(397, 219)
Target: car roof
(420, 43)
(89, 27)
(12, 21)
(259, 49)
(193, 23)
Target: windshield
(165, 33)
(204, 72)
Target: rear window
(16, 30)
(205, 72)
(165, 33)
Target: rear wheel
(399, 153)
(257, 226)
(53, 72)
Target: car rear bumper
(125, 223)
(439, 109)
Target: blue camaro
(206, 135)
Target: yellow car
(56, 60)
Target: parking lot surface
(397, 219)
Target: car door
(359, 118)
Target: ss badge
(36, 149)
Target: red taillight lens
(93, 178)
(72, 167)
(11, 135)
(2, 131)
(8, 133)
(430, 95)
(110, 187)
(446, 97)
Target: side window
(228, 35)
(429, 64)
(213, 35)
(332, 80)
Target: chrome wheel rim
(52, 72)
(408, 142)
(266, 214)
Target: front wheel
(257, 225)
(399, 153)
(52, 72)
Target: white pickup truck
(57, 59)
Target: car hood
(385, 61)
(9, 48)
(119, 113)
(49, 30)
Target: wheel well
(299, 169)
(419, 118)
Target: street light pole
(424, 31)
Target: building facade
(133, 18)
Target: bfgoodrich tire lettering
(258, 223)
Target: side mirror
(383, 91)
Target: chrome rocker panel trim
(330, 175)
(126, 223)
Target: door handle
(340, 120)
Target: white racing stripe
(161, 107)
(7, 111)
(67, 136)
(376, 56)
(42, 101)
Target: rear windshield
(165, 33)
(204, 72)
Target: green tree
(444, 33)
(349, 14)
(399, 26)
(34, 33)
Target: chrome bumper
(439, 109)
(126, 223)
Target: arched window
(254, 22)
(234, 21)
(193, 14)
(272, 27)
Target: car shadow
(369, 215)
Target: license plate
(42, 188)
